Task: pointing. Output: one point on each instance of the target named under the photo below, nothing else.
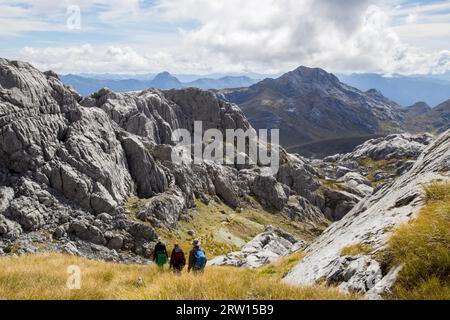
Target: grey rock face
(355, 274)
(224, 180)
(301, 177)
(9, 230)
(59, 161)
(356, 184)
(68, 166)
(348, 173)
(87, 232)
(6, 195)
(46, 134)
(396, 146)
(300, 209)
(154, 115)
(384, 285)
(270, 191)
(150, 178)
(164, 208)
(371, 220)
(265, 248)
(338, 203)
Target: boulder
(357, 274)
(395, 146)
(163, 209)
(356, 184)
(9, 230)
(265, 248)
(150, 178)
(87, 232)
(270, 192)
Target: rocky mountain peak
(164, 75)
(312, 75)
(304, 80)
(374, 93)
(310, 105)
(418, 108)
(165, 80)
(444, 106)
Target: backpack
(178, 258)
(161, 258)
(200, 259)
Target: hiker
(197, 258)
(177, 259)
(160, 255)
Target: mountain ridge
(310, 104)
(405, 90)
(163, 81)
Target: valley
(90, 181)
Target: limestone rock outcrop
(68, 166)
(395, 146)
(370, 223)
(265, 248)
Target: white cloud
(339, 36)
(89, 58)
(267, 36)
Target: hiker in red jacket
(177, 259)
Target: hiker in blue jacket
(197, 258)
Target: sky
(227, 36)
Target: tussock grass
(356, 249)
(423, 248)
(280, 268)
(438, 192)
(44, 277)
(331, 184)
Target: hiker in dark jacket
(177, 259)
(160, 255)
(197, 258)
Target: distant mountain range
(86, 85)
(319, 115)
(222, 83)
(405, 90)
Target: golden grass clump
(35, 277)
(356, 249)
(281, 267)
(423, 248)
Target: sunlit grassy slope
(423, 248)
(45, 276)
(222, 230)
